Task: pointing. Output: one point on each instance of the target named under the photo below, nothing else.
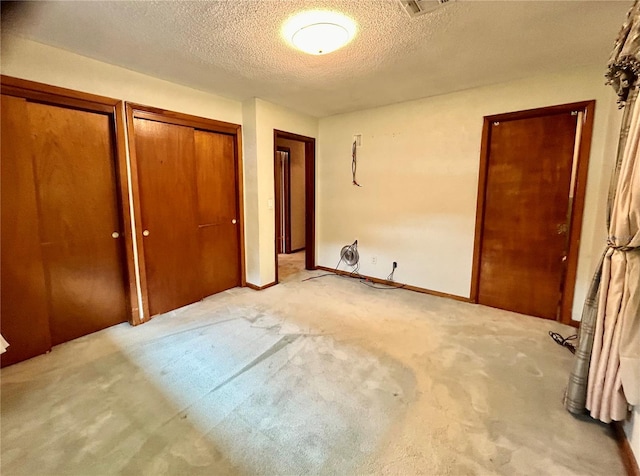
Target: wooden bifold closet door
(189, 211)
(63, 273)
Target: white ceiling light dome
(319, 32)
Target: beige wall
(264, 117)
(251, 209)
(37, 62)
(418, 167)
(296, 161)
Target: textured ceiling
(233, 48)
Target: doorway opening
(294, 191)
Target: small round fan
(349, 254)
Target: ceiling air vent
(419, 7)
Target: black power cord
(389, 287)
(393, 270)
(362, 279)
(564, 341)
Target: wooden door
(24, 319)
(169, 214)
(524, 235)
(217, 211)
(75, 178)
(283, 199)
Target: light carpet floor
(319, 377)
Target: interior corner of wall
(249, 112)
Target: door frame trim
(69, 98)
(309, 194)
(575, 227)
(57, 96)
(139, 111)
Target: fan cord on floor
(354, 274)
(387, 287)
(558, 339)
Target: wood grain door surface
(75, 175)
(525, 227)
(62, 270)
(24, 317)
(169, 213)
(217, 211)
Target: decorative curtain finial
(624, 63)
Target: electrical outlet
(395, 264)
(357, 138)
(374, 260)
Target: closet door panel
(78, 212)
(216, 177)
(217, 211)
(219, 253)
(167, 177)
(24, 319)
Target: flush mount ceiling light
(319, 32)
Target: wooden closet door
(167, 178)
(217, 211)
(24, 319)
(75, 179)
(526, 211)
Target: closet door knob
(115, 234)
(233, 221)
(145, 233)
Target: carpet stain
(278, 346)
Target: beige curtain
(614, 371)
(606, 374)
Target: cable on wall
(354, 163)
(393, 270)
